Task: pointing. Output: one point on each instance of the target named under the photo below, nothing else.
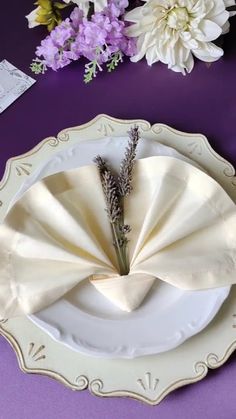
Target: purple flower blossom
(94, 34)
(97, 38)
(117, 8)
(76, 18)
(62, 33)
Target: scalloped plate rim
(209, 359)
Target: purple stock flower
(96, 38)
(94, 34)
(62, 33)
(76, 18)
(117, 8)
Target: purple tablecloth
(205, 102)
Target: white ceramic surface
(88, 323)
(151, 378)
(85, 320)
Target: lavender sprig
(113, 208)
(114, 191)
(114, 211)
(127, 164)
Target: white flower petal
(229, 3)
(189, 63)
(152, 55)
(208, 52)
(138, 28)
(171, 31)
(221, 18)
(225, 28)
(99, 5)
(183, 61)
(84, 6)
(200, 8)
(134, 15)
(143, 44)
(188, 40)
(217, 8)
(209, 31)
(31, 17)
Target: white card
(13, 83)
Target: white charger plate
(86, 321)
(148, 378)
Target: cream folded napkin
(183, 232)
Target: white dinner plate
(85, 320)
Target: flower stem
(125, 259)
(119, 252)
(124, 247)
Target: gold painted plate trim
(130, 378)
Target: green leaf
(45, 4)
(91, 70)
(51, 25)
(57, 15)
(43, 20)
(38, 66)
(115, 59)
(44, 14)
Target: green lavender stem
(124, 247)
(125, 259)
(118, 248)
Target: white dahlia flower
(172, 31)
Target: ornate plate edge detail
(156, 128)
(95, 386)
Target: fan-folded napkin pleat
(58, 234)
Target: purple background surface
(205, 102)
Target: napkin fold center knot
(127, 291)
